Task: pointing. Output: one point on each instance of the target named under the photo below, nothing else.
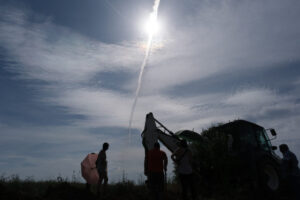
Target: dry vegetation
(14, 188)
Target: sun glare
(152, 26)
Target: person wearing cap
(157, 163)
(183, 159)
(101, 165)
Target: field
(15, 188)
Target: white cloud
(257, 97)
(220, 37)
(297, 82)
(53, 151)
(226, 35)
(53, 53)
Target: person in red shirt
(157, 162)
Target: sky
(69, 70)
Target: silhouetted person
(156, 166)
(101, 165)
(290, 170)
(183, 158)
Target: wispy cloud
(224, 36)
(257, 97)
(53, 53)
(47, 152)
(217, 39)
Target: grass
(61, 189)
(14, 188)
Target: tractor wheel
(269, 178)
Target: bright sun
(152, 26)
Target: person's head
(105, 146)
(156, 145)
(283, 148)
(183, 144)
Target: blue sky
(69, 69)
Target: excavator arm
(153, 133)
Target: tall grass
(13, 187)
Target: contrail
(153, 15)
(114, 9)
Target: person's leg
(156, 186)
(152, 185)
(161, 184)
(297, 186)
(192, 186)
(294, 187)
(105, 182)
(184, 185)
(99, 184)
(87, 186)
(156, 181)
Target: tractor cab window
(263, 141)
(247, 137)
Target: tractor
(234, 154)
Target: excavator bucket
(152, 134)
(149, 134)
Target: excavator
(242, 147)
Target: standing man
(157, 162)
(290, 170)
(101, 165)
(183, 158)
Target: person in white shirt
(183, 158)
